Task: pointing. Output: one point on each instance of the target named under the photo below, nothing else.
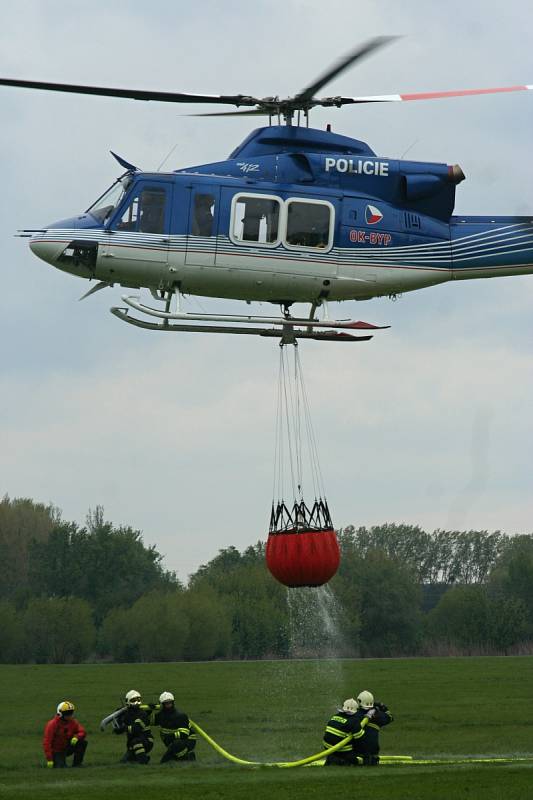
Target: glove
(50, 764)
(74, 741)
(371, 713)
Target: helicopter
(293, 215)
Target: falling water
(315, 624)
(316, 632)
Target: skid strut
(286, 328)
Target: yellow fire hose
(383, 759)
(301, 763)
(495, 760)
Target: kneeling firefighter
(63, 737)
(347, 721)
(367, 746)
(175, 730)
(134, 721)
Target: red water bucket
(305, 558)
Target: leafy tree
(347, 588)
(406, 543)
(461, 617)
(438, 557)
(257, 604)
(12, 635)
(161, 626)
(21, 522)
(116, 637)
(471, 617)
(508, 622)
(388, 599)
(466, 557)
(58, 630)
(155, 628)
(107, 566)
(227, 560)
(209, 634)
(512, 578)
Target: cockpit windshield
(107, 202)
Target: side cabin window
(145, 212)
(255, 219)
(203, 215)
(309, 224)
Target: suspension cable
(296, 444)
(278, 445)
(312, 441)
(288, 397)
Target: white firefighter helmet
(350, 706)
(65, 707)
(166, 697)
(365, 700)
(133, 698)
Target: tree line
(71, 593)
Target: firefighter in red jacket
(63, 737)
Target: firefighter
(175, 730)
(63, 737)
(367, 746)
(135, 723)
(347, 721)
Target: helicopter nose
(46, 249)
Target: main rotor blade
(343, 63)
(397, 98)
(252, 113)
(133, 94)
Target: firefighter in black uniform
(135, 723)
(175, 730)
(347, 721)
(367, 747)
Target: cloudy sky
(429, 423)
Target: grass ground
(277, 711)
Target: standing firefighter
(135, 723)
(63, 737)
(346, 722)
(175, 730)
(378, 716)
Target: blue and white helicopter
(293, 215)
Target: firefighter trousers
(138, 749)
(178, 749)
(77, 750)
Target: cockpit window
(107, 202)
(145, 212)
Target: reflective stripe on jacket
(173, 722)
(339, 727)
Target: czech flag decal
(373, 215)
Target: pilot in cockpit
(152, 212)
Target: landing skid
(286, 328)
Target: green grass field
(268, 711)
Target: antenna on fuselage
(167, 157)
(409, 148)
